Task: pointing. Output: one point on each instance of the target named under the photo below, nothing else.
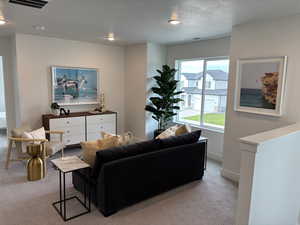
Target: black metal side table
(205, 140)
(66, 165)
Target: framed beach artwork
(260, 85)
(74, 86)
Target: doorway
(3, 123)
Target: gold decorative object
(35, 165)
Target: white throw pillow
(35, 134)
(171, 131)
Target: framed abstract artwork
(260, 84)
(74, 86)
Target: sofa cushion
(125, 151)
(183, 139)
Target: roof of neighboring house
(219, 75)
(195, 90)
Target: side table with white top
(66, 165)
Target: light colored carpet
(207, 202)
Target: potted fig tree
(163, 104)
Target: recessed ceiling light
(110, 37)
(2, 22)
(174, 21)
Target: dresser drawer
(76, 139)
(68, 131)
(96, 119)
(107, 127)
(93, 136)
(67, 122)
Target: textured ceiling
(135, 21)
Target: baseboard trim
(230, 175)
(214, 157)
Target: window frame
(177, 77)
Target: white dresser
(82, 126)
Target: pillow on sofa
(123, 139)
(123, 152)
(184, 139)
(91, 147)
(171, 131)
(183, 129)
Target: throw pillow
(183, 129)
(171, 131)
(35, 134)
(183, 139)
(91, 147)
(124, 139)
(18, 133)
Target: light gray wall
(6, 51)
(2, 94)
(278, 37)
(135, 89)
(35, 55)
(156, 58)
(141, 62)
(208, 48)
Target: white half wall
(207, 48)
(34, 57)
(278, 37)
(269, 188)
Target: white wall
(142, 61)
(278, 37)
(156, 58)
(135, 89)
(35, 55)
(6, 51)
(208, 48)
(2, 94)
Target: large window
(204, 83)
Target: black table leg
(60, 194)
(64, 181)
(62, 210)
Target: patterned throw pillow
(91, 147)
(183, 129)
(124, 139)
(171, 131)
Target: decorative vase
(35, 165)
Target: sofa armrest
(129, 180)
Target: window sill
(208, 128)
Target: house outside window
(204, 83)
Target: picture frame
(260, 85)
(75, 85)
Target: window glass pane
(215, 92)
(191, 79)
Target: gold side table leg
(35, 165)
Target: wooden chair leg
(9, 149)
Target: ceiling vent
(31, 3)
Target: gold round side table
(35, 165)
